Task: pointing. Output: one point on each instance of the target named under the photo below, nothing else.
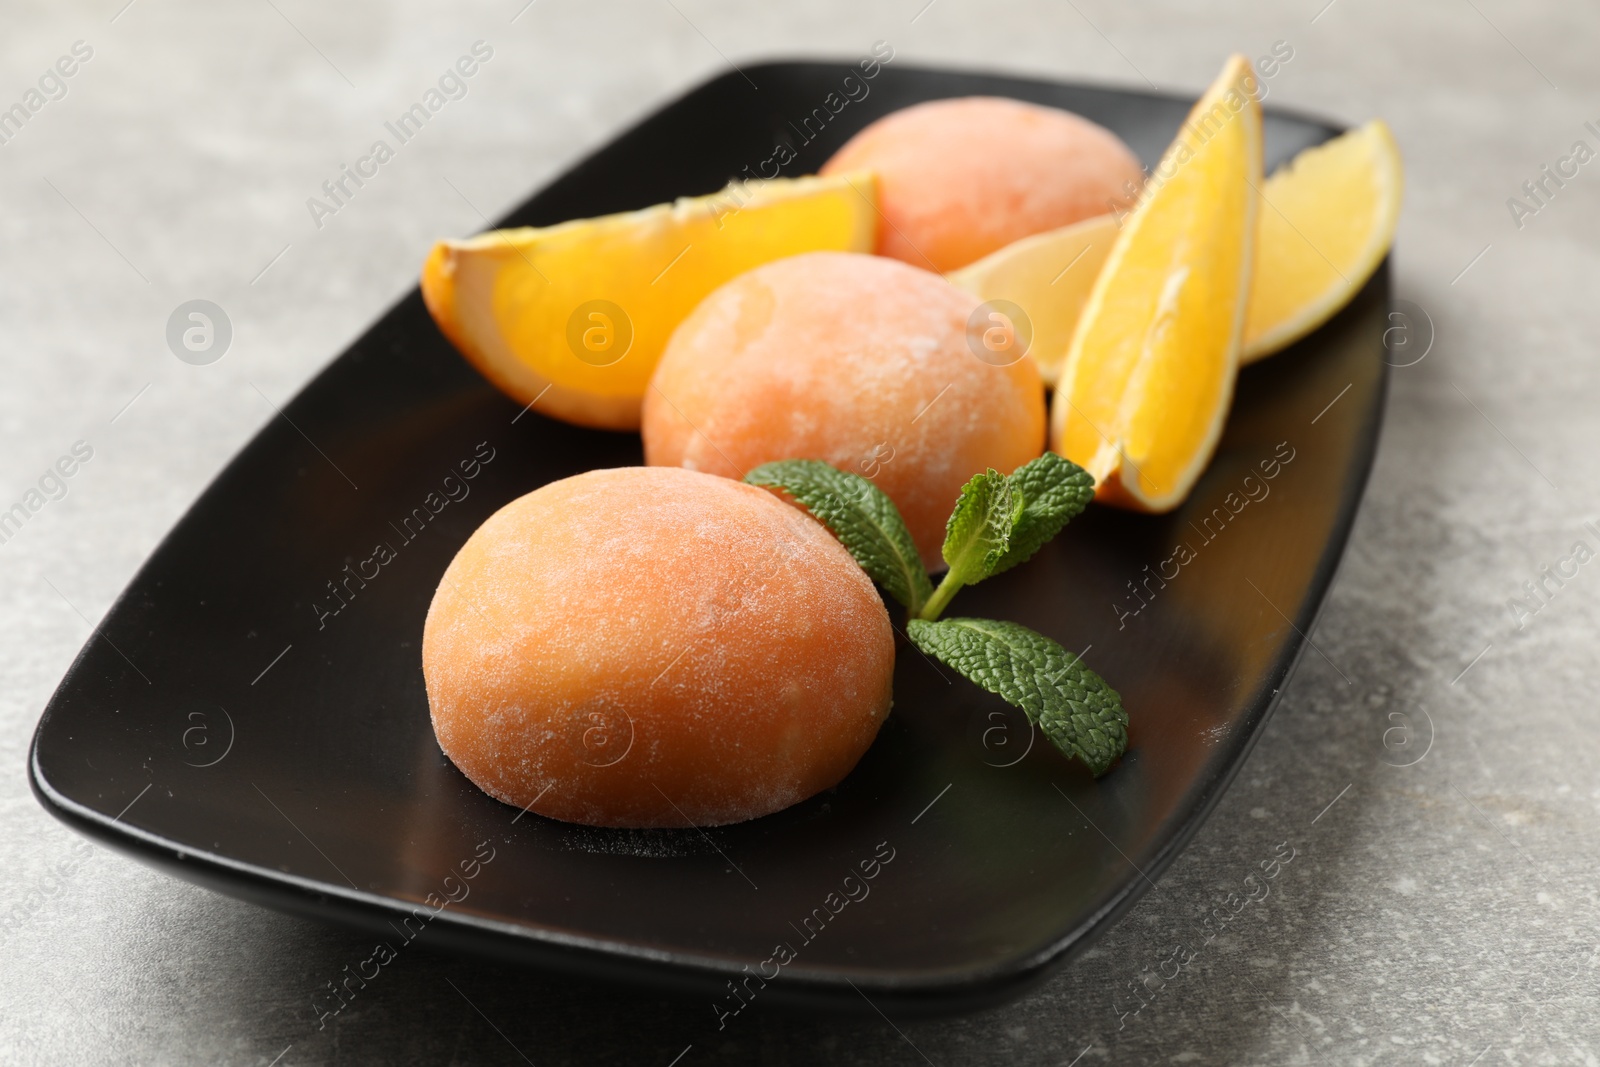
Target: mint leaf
(979, 529)
(1053, 489)
(977, 535)
(861, 516)
(1072, 705)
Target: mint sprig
(862, 517)
(1002, 520)
(999, 521)
(1071, 704)
(977, 536)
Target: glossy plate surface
(279, 752)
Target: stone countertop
(1442, 912)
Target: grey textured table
(1442, 912)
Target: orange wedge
(1327, 221)
(1049, 276)
(575, 316)
(1149, 373)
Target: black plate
(285, 756)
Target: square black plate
(285, 756)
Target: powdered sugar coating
(655, 647)
(960, 178)
(860, 361)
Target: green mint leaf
(1072, 705)
(977, 535)
(1054, 490)
(979, 530)
(861, 516)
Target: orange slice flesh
(1149, 374)
(575, 316)
(1327, 221)
(1049, 276)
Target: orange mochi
(648, 647)
(960, 178)
(856, 360)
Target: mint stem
(949, 585)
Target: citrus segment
(1049, 276)
(1150, 370)
(1327, 220)
(575, 316)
